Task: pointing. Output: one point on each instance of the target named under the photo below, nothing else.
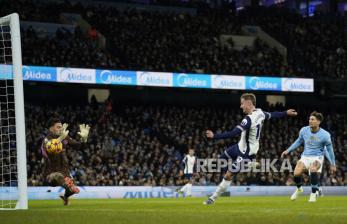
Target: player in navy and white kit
(247, 147)
(189, 162)
(317, 144)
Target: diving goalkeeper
(53, 150)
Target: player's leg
(182, 189)
(221, 188)
(231, 153)
(187, 187)
(70, 189)
(300, 168)
(314, 179)
(320, 189)
(55, 179)
(58, 179)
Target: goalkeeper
(53, 150)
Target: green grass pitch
(227, 210)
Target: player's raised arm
(83, 133)
(280, 114)
(245, 124)
(64, 132)
(298, 142)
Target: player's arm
(280, 114)
(64, 133)
(245, 124)
(195, 166)
(298, 142)
(330, 154)
(43, 149)
(83, 133)
(183, 164)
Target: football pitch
(329, 209)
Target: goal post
(13, 187)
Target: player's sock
(222, 187)
(68, 193)
(189, 189)
(70, 185)
(184, 188)
(298, 181)
(314, 181)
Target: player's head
(315, 119)
(247, 102)
(191, 152)
(55, 126)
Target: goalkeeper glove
(64, 132)
(84, 132)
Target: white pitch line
(308, 211)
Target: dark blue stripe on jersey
(235, 132)
(275, 114)
(245, 124)
(247, 141)
(195, 167)
(186, 164)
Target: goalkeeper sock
(298, 181)
(69, 184)
(222, 187)
(314, 181)
(68, 193)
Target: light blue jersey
(315, 144)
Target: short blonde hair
(249, 96)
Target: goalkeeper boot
(65, 199)
(296, 194)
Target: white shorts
(309, 160)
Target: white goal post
(13, 170)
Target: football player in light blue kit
(315, 140)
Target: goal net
(13, 174)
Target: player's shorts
(234, 154)
(188, 176)
(51, 181)
(309, 160)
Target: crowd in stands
(316, 45)
(176, 42)
(64, 49)
(144, 145)
(157, 41)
